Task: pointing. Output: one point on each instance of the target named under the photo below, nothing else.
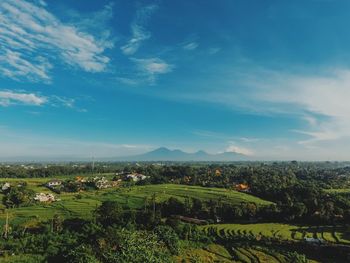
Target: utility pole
(145, 203)
(154, 206)
(93, 165)
(6, 226)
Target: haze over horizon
(266, 79)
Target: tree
(18, 196)
(109, 213)
(134, 247)
(173, 206)
(81, 254)
(168, 236)
(295, 257)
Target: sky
(268, 79)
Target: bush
(167, 235)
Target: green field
(214, 253)
(338, 191)
(82, 204)
(332, 234)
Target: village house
(101, 182)
(5, 186)
(314, 240)
(45, 197)
(80, 179)
(54, 183)
(136, 177)
(217, 172)
(242, 187)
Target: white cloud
(17, 67)
(214, 50)
(127, 81)
(249, 140)
(321, 99)
(9, 98)
(139, 33)
(28, 33)
(191, 46)
(239, 149)
(151, 67)
(318, 99)
(324, 95)
(58, 101)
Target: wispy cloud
(190, 46)
(214, 50)
(19, 66)
(319, 99)
(151, 67)
(12, 98)
(29, 33)
(139, 33)
(8, 98)
(249, 140)
(58, 101)
(324, 95)
(239, 149)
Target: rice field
(338, 191)
(83, 204)
(214, 253)
(261, 255)
(331, 234)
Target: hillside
(82, 204)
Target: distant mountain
(165, 154)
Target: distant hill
(165, 154)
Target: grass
(215, 253)
(338, 191)
(22, 258)
(84, 203)
(165, 191)
(212, 253)
(257, 254)
(331, 234)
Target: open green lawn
(82, 204)
(332, 234)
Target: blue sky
(269, 79)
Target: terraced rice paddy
(331, 234)
(165, 191)
(261, 255)
(253, 254)
(84, 203)
(338, 191)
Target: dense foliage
(301, 193)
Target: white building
(314, 240)
(54, 183)
(43, 197)
(5, 186)
(136, 177)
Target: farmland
(331, 234)
(338, 191)
(196, 213)
(82, 204)
(237, 254)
